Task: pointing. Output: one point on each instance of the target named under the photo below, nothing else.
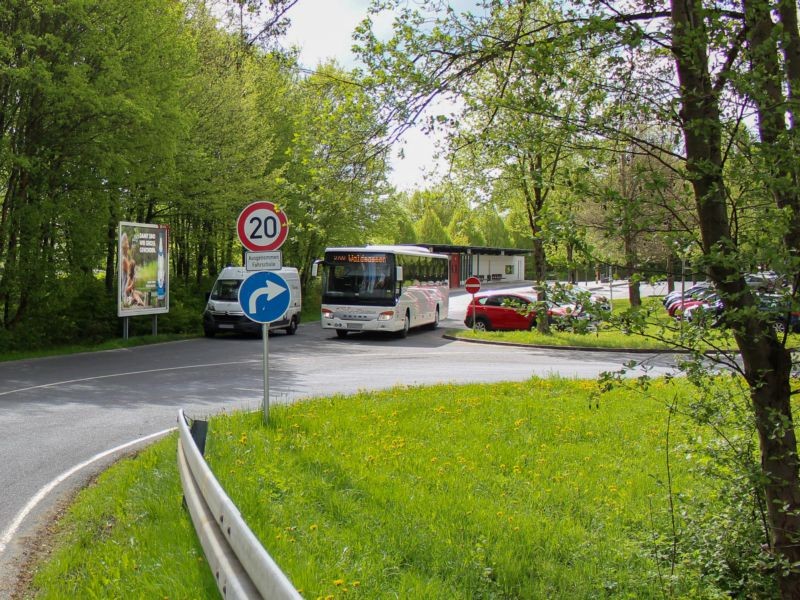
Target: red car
(501, 310)
(676, 309)
(509, 310)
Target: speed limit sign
(262, 227)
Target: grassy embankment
(517, 490)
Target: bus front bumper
(355, 326)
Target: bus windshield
(358, 278)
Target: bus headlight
(386, 316)
(327, 313)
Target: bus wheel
(406, 324)
(435, 323)
(341, 333)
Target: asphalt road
(60, 415)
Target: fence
(241, 566)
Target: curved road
(61, 414)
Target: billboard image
(143, 269)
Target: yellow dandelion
(338, 582)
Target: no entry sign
(472, 285)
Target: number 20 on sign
(262, 227)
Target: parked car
(677, 307)
(763, 281)
(501, 311)
(598, 301)
(777, 309)
(578, 296)
(705, 311)
(781, 314)
(693, 289)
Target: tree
(88, 118)
(464, 228)
(332, 185)
(702, 45)
(430, 230)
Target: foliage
(161, 113)
(727, 61)
(122, 532)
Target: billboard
(143, 269)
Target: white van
(223, 312)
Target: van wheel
(341, 333)
(292, 328)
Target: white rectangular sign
(264, 261)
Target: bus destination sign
(353, 257)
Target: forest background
(184, 112)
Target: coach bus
(382, 288)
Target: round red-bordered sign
(262, 227)
(472, 285)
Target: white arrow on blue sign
(264, 296)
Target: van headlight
(327, 313)
(386, 316)
(211, 306)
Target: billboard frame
(146, 248)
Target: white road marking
(68, 381)
(8, 534)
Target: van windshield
(226, 290)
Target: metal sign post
(264, 296)
(473, 286)
(265, 357)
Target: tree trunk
(766, 363)
(670, 273)
(634, 293)
(111, 253)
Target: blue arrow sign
(264, 296)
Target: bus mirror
(315, 268)
(399, 273)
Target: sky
(322, 29)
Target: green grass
(600, 340)
(114, 344)
(128, 536)
(515, 490)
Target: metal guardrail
(241, 565)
